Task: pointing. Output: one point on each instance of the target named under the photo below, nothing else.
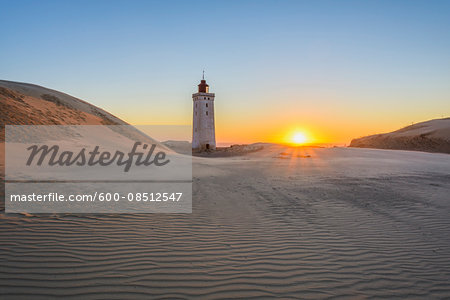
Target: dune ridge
(24, 103)
(428, 136)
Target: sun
(299, 138)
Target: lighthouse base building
(203, 128)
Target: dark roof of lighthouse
(202, 87)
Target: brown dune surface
(429, 136)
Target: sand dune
(279, 222)
(29, 104)
(429, 136)
(24, 103)
(329, 222)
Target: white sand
(310, 223)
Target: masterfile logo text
(96, 169)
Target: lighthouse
(203, 131)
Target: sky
(334, 70)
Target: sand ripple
(255, 235)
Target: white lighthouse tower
(203, 131)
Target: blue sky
(377, 64)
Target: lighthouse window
(206, 104)
(206, 113)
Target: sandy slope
(309, 223)
(429, 136)
(29, 104)
(24, 103)
(286, 222)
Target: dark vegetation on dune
(429, 136)
(418, 143)
(27, 104)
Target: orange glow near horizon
(299, 138)
(249, 131)
(268, 125)
(325, 117)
